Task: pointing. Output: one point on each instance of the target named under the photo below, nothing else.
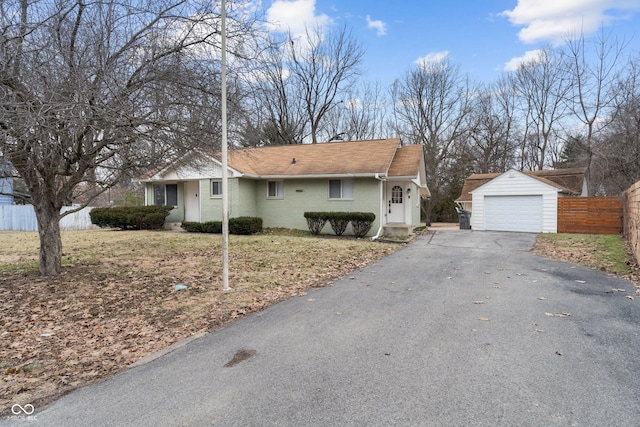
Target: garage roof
(568, 181)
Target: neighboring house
(6, 185)
(520, 201)
(280, 183)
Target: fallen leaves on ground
(579, 253)
(557, 314)
(115, 300)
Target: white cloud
(556, 20)
(432, 58)
(353, 104)
(295, 16)
(377, 25)
(528, 57)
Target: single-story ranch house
(280, 183)
(520, 201)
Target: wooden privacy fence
(590, 215)
(631, 203)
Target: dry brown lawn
(116, 302)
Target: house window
(275, 189)
(341, 189)
(216, 187)
(165, 194)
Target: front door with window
(191, 202)
(395, 203)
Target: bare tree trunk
(48, 217)
(86, 100)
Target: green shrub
(316, 221)
(131, 217)
(339, 221)
(245, 225)
(361, 223)
(202, 227)
(214, 227)
(241, 225)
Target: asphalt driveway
(459, 328)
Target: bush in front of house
(245, 225)
(130, 217)
(202, 227)
(315, 221)
(339, 221)
(242, 225)
(361, 222)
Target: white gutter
(315, 176)
(382, 206)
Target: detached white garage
(513, 213)
(515, 201)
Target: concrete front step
(398, 230)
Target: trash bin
(465, 219)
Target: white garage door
(513, 213)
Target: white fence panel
(78, 220)
(18, 218)
(23, 218)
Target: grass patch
(115, 300)
(607, 252)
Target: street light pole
(225, 178)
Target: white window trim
(279, 186)
(166, 197)
(342, 181)
(211, 195)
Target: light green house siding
(249, 197)
(177, 214)
(303, 195)
(242, 200)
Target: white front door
(191, 202)
(395, 203)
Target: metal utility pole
(225, 178)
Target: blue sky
(480, 36)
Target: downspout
(382, 208)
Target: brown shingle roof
(472, 182)
(334, 158)
(568, 180)
(406, 161)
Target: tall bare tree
(96, 90)
(618, 151)
(593, 67)
(278, 94)
(362, 115)
(304, 81)
(542, 85)
(431, 104)
(491, 129)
